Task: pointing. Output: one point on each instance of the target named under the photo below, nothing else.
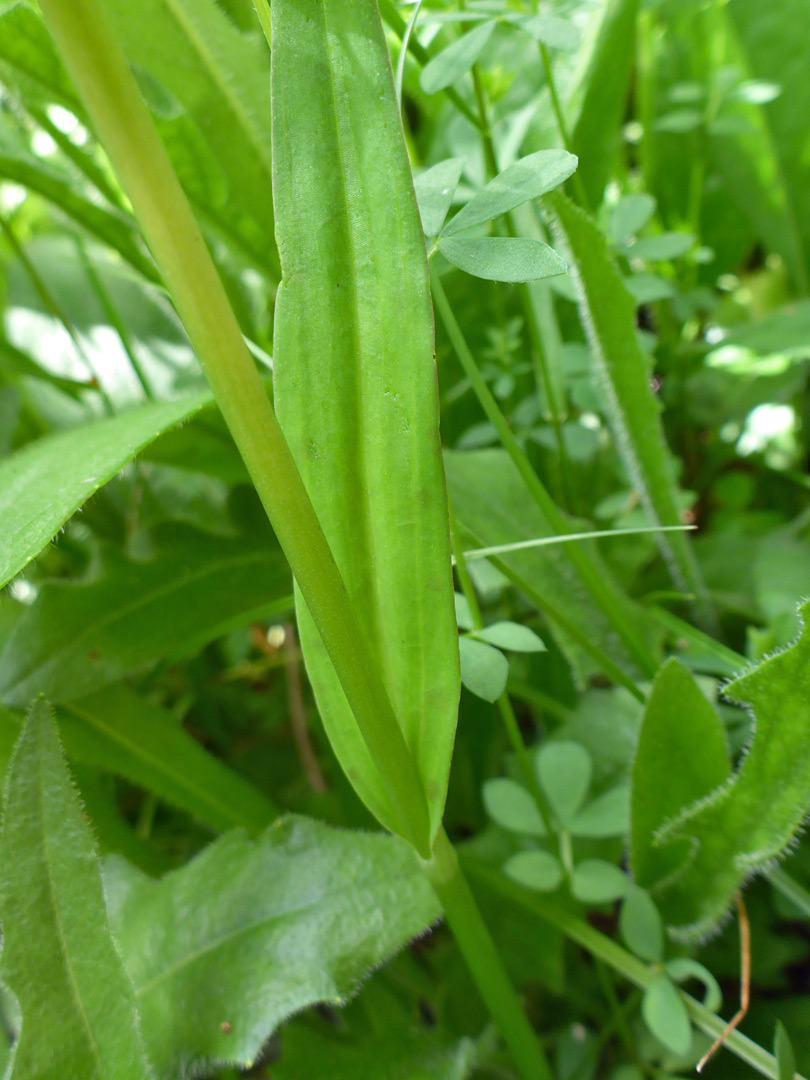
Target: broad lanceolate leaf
(502, 258)
(355, 377)
(250, 932)
(78, 636)
(527, 179)
(78, 1009)
(123, 733)
(681, 757)
(751, 820)
(608, 315)
(43, 484)
(491, 501)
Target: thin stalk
(112, 313)
(556, 519)
(504, 705)
(100, 70)
(478, 949)
(623, 962)
(559, 116)
(789, 888)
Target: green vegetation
(404, 663)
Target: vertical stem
(99, 68)
(482, 958)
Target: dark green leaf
(59, 959)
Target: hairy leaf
(250, 932)
(46, 482)
(355, 377)
(681, 757)
(745, 824)
(78, 1009)
(608, 315)
(81, 635)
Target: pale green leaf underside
(502, 258)
(78, 1010)
(43, 484)
(250, 932)
(355, 377)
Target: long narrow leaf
(355, 376)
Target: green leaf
(526, 179)
(601, 104)
(484, 669)
(597, 882)
(668, 245)
(123, 733)
(551, 30)
(350, 239)
(454, 61)
(78, 636)
(434, 189)
(606, 815)
(464, 616)
(219, 75)
(511, 806)
(608, 315)
(46, 482)
(250, 932)
(640, 925)
(783, 1052)
(538, 870)
(630, 215)
(78, 1010)
(751, 820)
(502, 258)
(682, 968)
(564, 771)
(665, 1015)
(511, 636)
(647, 288)
(681, 757)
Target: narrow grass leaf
(502, 258)
(752, 819)
(435, 188)
(83, 634)
(78, 1008)
(355, 378)
(46, 482)
(453, 62)
(250, 932)
(527, 179)
(681, 757)
(608, 315)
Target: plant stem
(555, 518)
(556, 104)
(789, 888)
(100, 70)
(478, 949)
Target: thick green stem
(100, 70)
(482, 958)
(556, 519)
